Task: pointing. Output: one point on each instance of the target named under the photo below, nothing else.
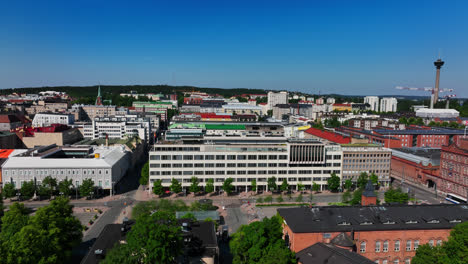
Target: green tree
(268, 199)
(176, 186)
(346, 196)
(357, 195)
(374, 178)
(154, 238)
(272, 183)
(28, 189)
(209, 188)
(158, 187)
(299, 198)
(396, 196)
(315, 187)
(280, 199)
(14, 219)
(227, 185)
(348, 184)
(43, 191)
(65, 186)
(254, 185)
(86, 187)
(284, 185)
(300, 187)
(334, 182)
(9, 190)
(362, 180)
(403, 120)
(189, 216)
(194, 186)
(50, 183)
(261, 242)
(144, 177)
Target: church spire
(99, 98)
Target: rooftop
(320, 253)
(418, 155)
(200, 215)
(433, 131)
(373, 218)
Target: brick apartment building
(416, 165)
(454, 168)
(383, 234)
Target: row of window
(371, 155)
(239, 172)
(217, 165)
(395, 261)
(383, 246)
(218, 157)
(55, 172)
(279, 180)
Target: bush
(280, 199)
(299, 198)
(259, 200)
(95, 217)
(268, 199)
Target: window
(431, 242)
(385, 246)
(377, 246)
(362, 248)
(384, 261)
(416, 244)
(407, 261)
(220, 157)
(396, 261)
(408, 245)
(397, 245)
(377, 261)
(439, 242)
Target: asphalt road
(420, 193)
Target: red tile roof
(5, 153)
(330, 136)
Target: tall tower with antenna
(435, 93)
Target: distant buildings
(9, 122)
(275, 98)
(388, 104)
(358, 158)
(104, 165)
(373, 101)
(436, 113)
(119, 127)
(47, 119)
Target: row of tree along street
(50, 187)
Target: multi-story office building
(92, 111)
(245, 159)
(104, 165)
(47, 119)
(388, 104)
(118, 127)
(277, 98)
(368, 158)
(373, 101)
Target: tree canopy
(284, 185)
(334, 182)
(86, 187)
(209, 188)
(396, 196)
(176, 186)
(144, 177)
(194, 186)
(65, 186)
(158, 188)
(227, 185)
(261, 242)
(272, 183)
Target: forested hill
(91, 91)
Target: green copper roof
(225, 127)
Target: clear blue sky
(348, 47)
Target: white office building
(373, 101)
(299, 161)
(119, 127)
(104, 165)
(388, 104)
(47, 119)
(277, 98)
(330, 100)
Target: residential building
(368, 158)
(47, 119)
(416, 165)
(370, 123)
(373, 101)
(454, 169)
(381, 233)
(92, 111)
(241, 108)
(437, 113)
(119, 127)
(275, 98)
(104, 165)
(388, 104)
(331, 100)
(341, 107)
(423, 136)
(245, 159)
(54, 134)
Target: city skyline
(345, 48)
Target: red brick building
(416, 165)
(384, 234)
(454, 168)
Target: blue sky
(347, 47)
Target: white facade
(435, 112)
(388, 104)
(46, 119)
(330, 100)
(299, 161)
(277, 98)
(373, 101)
(104, 165)
(118, 127)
